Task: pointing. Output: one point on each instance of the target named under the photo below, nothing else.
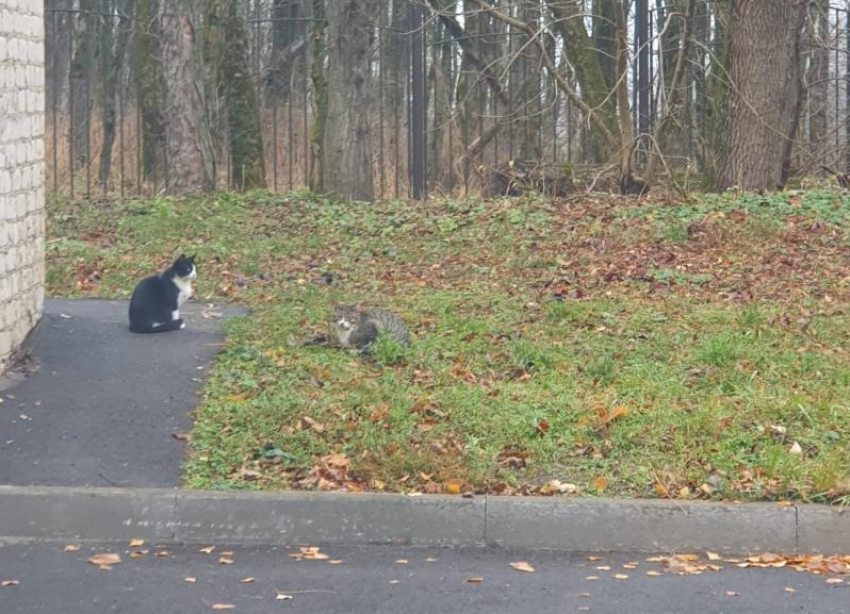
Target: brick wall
(21, 170)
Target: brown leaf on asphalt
(335, 562)
(190, 580)
(105, 567)
(137, 543)
(393, 581)
(621, 576)
(162, 554)
(8, 583)
(834, 581)
(603, 568)
(712, 556)
(137, 554)
(310, 553)
(592, 578)
(223, 606)
(207, 550)
(788, 589)
(225, 560)
(653, 573)
(402, 561)
(430, 560)
(71, 548)
(522, 566)
(585, 595)
(593, 558)
(283, 597)
(731, 593)
(629, 566)
(105, 558)
(474, 580)
(247, 580)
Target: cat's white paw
(182, 326)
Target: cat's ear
(192, 258)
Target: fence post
(416, 28)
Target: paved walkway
(105, 402)
(371, 580)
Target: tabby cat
(355, 328)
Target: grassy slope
(632, 350)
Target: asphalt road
(373, 580)
(102, 408)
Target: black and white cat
(155, 305)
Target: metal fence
(437, 124)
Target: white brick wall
(21, 170)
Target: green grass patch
(549, 344)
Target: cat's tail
(153, 328)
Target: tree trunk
(226, 44)
(818, 74)
(580, 50)
(347, 145)
(81, 78)
(603, 36)
(187, 138)
(763, 38)
(319, 98)
(150, 84)
(532, 66)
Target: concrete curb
(296, 518)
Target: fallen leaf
(621, 576)
(162, 554)
(283, 597)
(7, 583)
(731, 593)
(105, 558)
(600, 483)
(629, 566)
(137, 554)
(522, 566)
(653, 573)
(190, 580)
(585, 595)
(207, 550)
(247, 580)
(603, 568)
(225, 560)
(393, 581)
(430, 560)
(223, 606)
(453, 488)
(788, 589)
(593, 558)
(834, 581)
(105, 567)
(402, 561)
(309, 552)
(71, 548)
(137, 543)
(713, 556)
(474, 580)
(592, 578)
(583, 608)
(796, 449)
(335, 562)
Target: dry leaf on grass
(522, 566)
(105, 558)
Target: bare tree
(187, 138)
(347, 144)
(763, 59)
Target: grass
(688, 351)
